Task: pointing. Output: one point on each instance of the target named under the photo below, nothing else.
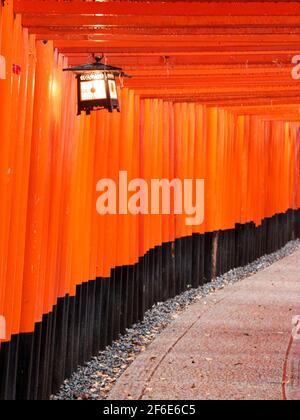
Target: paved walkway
(235, 344)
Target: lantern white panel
(93, 90)
(113, 89)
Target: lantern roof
(98, 66)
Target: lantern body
(97, 90)
(96, 86)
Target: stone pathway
(236, 344)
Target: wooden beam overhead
(45, 20)
(161, 8)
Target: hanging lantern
(97, 88)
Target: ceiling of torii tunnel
(225, 53)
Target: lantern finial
(98, 59)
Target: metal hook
(121, 78)
(167, 63)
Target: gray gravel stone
(95, 379)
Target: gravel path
(95, 380)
